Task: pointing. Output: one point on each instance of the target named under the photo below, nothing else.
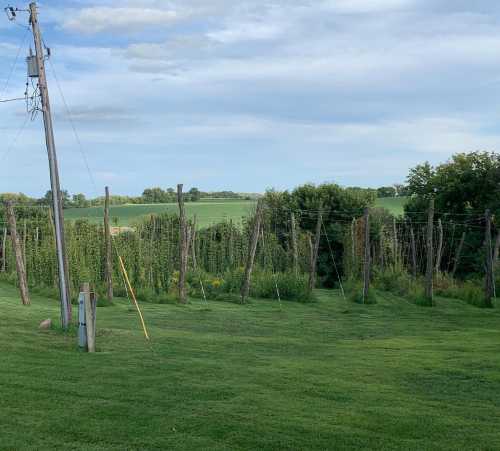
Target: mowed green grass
(327, 375)
(394, 204)
(207, 213)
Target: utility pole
(54, 172)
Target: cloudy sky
(247, 95)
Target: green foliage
(354, 293)
(470, 291)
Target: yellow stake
(131, 290)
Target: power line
(70, 118)
(13, 67)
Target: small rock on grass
(45, 325)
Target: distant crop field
(207, 212)
(394, 204)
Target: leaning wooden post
(109, 251)
(4, 249)
(315, 253)
(429, 273)
(439, 254)
(18, 252)
(294, 245)
(367, 262)
(413, 253)
(489, 289)
(245, 289)
(183, 246)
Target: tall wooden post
(245, 289)
(496, 252)
(367, 262)
(458, 253)
(353, 247)
(489, 288)
(413, 253)
(18, 252)
(439, 254)
(395, 244)
(4, 249)
(109, 250)
(295, 251)
(193, 244)
(315, 253)
(183, 246)
(429, 273)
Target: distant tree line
(154, 195)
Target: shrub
(354, 292)
(399, 283)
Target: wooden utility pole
(367, 262)
(295, 251)
(429, 273)
(413, 253)
(4, 249)
(245, 289)
(183, 246)
(109, 250)
(439, 254)
(489, 288)
(458, 253)
(18, 252)
(315, 253)
(54, 172)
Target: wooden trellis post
(108, 246)
(413, 253)
(4, 249)
(295, 251)
(18, 252)
(439, 254)
(458, 253)
(367, 262)
(429, 273)
(315, 252)
(183, 246)
(489, 289)
(245, 289)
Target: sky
(248, 95)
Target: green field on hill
(394, 204)
(207, 212)
(325, 375)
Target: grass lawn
(327, 375)
(394, 204)
(207, 212)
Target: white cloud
(99, 19)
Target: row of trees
(149, 196)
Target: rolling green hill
(207, 212)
